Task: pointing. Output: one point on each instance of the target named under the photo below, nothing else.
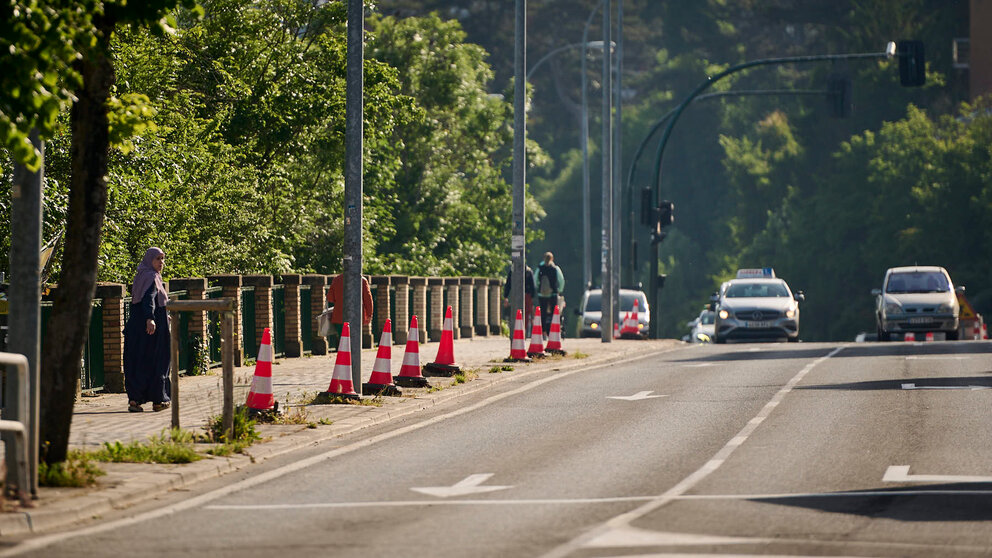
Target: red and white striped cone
(444, 364)
(409, 375)
(517, 351)
(381, 381)
(554, 336)
(616, 329)
(341, 385)
(909, 336)
(260, 398)
(630, 330)
(536, 348)
(929, 336)
(985, 331)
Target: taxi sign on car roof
(755, 273)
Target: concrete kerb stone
(130, 484)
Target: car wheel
(952, 335)
(719, 340)
(794, 339)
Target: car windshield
(756, 290)
(707, 318)
(918, 282)
(594, 302)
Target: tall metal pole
(519, 167)
(617, 158)
(586, 211)
(25, 309)
(354, 117)
(609, 310)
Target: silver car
(762, 308)
(591, 315)
(917, 299)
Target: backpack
(549, 280)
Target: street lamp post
(890, 51)
(586, 211)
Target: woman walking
(146, 337)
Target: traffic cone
(260, 399)
(381, 381)
(444, 363)
(410, 370)
(629, 330)
(909, 336)
(536, 349)
(554, 336)
(929, 336)
(616, 329)
(985, 331)
(517, 352)
(341, 384)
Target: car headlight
(593, 325)
(724, 314)
(790, 313)
(892, 307)
(945, 308)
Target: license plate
(758, 325)
(920, 320)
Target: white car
(591, 314)
(757, 306)
(702, 327)
(917, 299)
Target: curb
(148, 481)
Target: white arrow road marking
(641, 395)
(914, 386)
(632, 536)
(468, 485)
(700, 365)
(900, 473)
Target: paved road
(773, 449)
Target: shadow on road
(861, 350)
(937, 502)
(958, 382)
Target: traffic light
(912, 65)
(839, 96)
(666, 213)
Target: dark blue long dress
(146, 357)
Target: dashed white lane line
(623, 521)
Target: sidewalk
(104, 418)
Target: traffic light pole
(677, 112)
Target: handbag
(324, 322)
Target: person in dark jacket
(529, 292)
(147, 343)
(550, 284)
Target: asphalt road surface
(881, 449)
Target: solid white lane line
(623, 520)
(47, 540)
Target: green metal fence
(91, 372)
(248, 342)
(278, 302)
(307, 331)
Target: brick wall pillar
(318, 301)
(495, 306)
(465, 301)
(113, 335)
(383, 312)
(419, 286)
(401, 326)
(436, 285)
(291, 306)
(230, 287)
(199, 332)
(481, 306)
(451, 285)
(263, 301)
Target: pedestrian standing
(551, 283)
(335, 298)
(147, 343)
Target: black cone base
(411, 381)
(326, 397)
(388, 390)
(438, 369)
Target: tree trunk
(69, 322)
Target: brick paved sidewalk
(104, 418)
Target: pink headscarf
(146, 276)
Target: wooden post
(226, 306)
